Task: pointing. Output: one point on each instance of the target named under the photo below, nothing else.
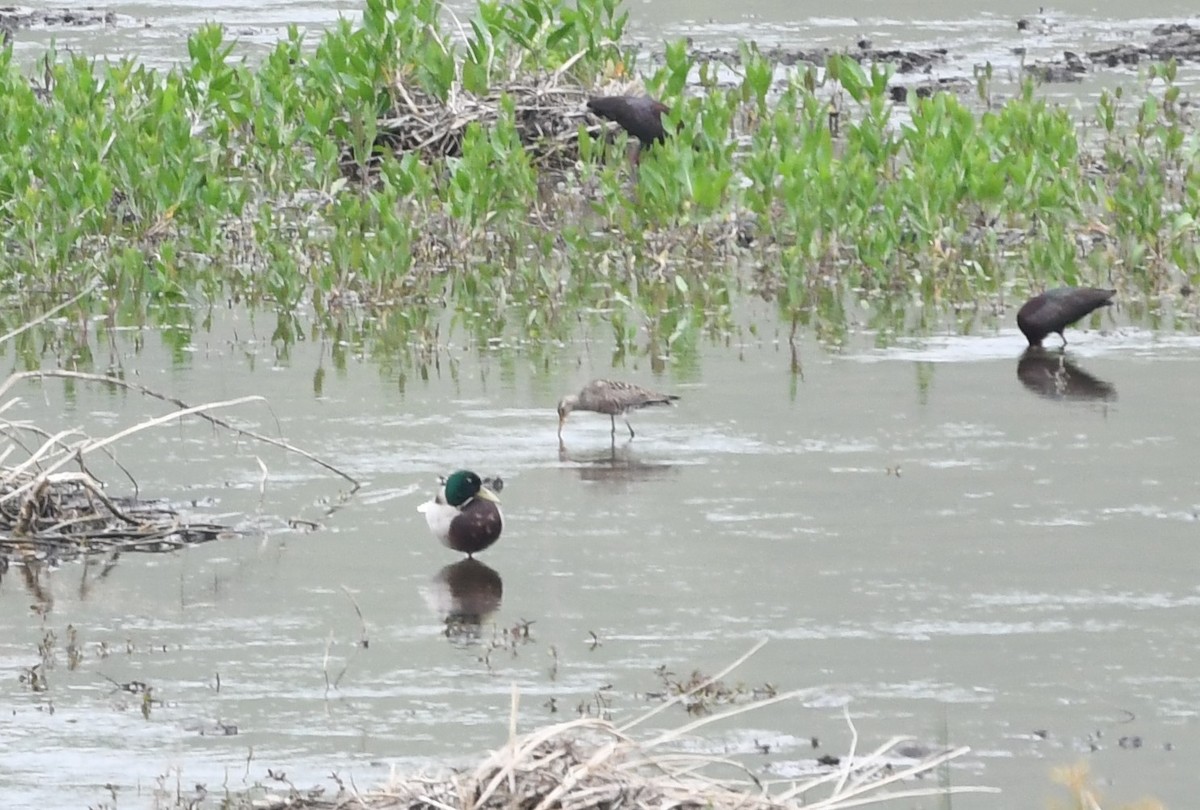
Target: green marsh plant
(283, 182)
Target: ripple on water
(1152, 511)
(1084, 599)
(1009, 344)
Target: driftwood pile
(594, 764)
(549, 110)
(589, 763)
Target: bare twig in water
(48, 512)
(325, 664)
(262, 482)
(50, 313)
(363, 641)
(95, 444)
(362, 644)
(685, 695)
(185, 410)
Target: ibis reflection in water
(1051, 374)
(1055, 310)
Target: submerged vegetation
(414, 162)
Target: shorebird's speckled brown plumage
(611, 397)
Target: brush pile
(592, 763)
(58, 516)
(548, 115)
(53, 508)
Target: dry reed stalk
(46, 511)
(48, 314)
(592, 763)
(185, 410)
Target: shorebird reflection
(613, 465)
(1051, 374)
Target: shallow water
(923, 539)
(974, 32)
(943, 539)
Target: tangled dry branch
(549, 111)
(53, 507)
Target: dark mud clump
(1178, 41)
(902, 93)
(13, 18)
(1070, 68)
(905, 61)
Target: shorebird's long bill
(487, 495)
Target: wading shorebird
(611, 397)
(640, 116)
(464, 514)
(1055, 310)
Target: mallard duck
(1055, 310)
(611, 397)
(464, 514)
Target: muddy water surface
(948, 539)
(945, 547)
(973, 32)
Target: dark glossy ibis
(1055, 310)
(640, 116)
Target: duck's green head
(463, 485)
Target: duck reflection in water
(1052, 375)
(465, 594)
(614, 465)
